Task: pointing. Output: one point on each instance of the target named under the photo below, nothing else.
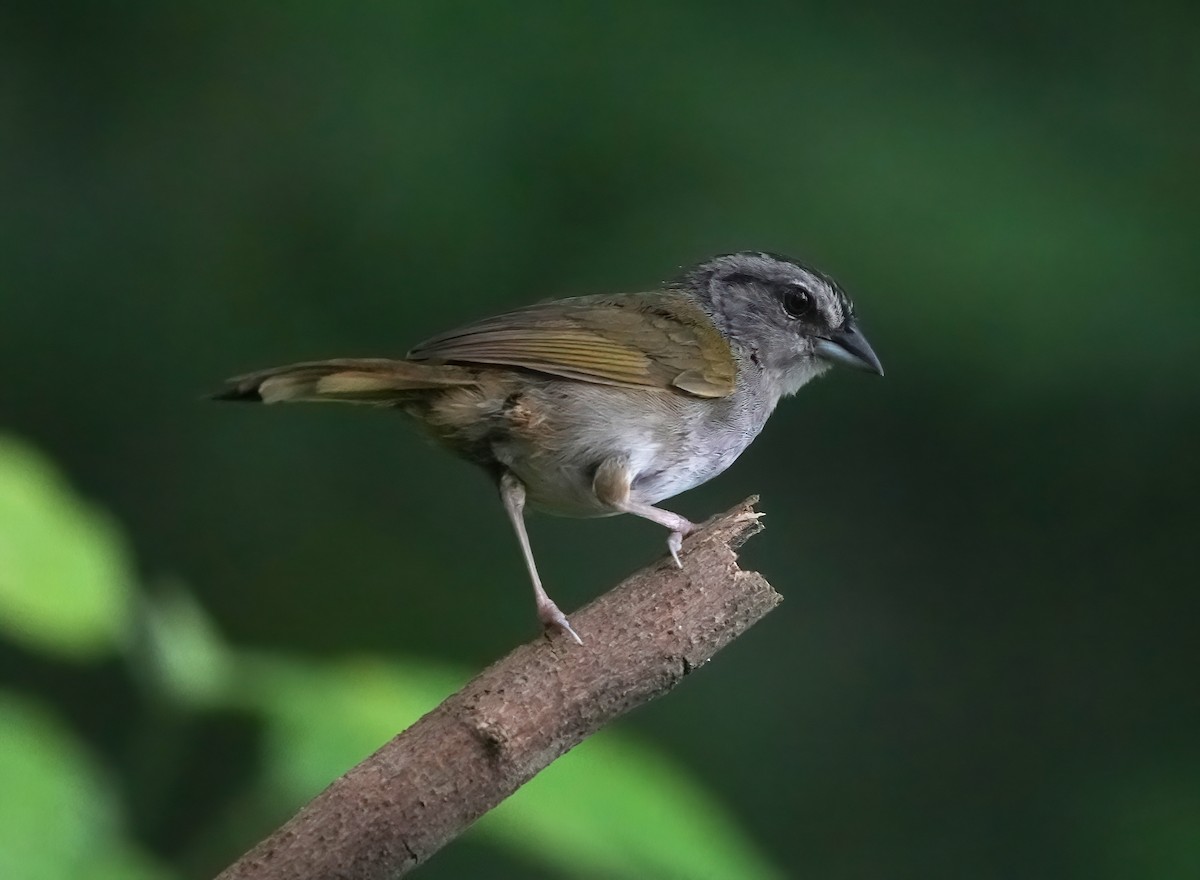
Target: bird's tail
(376, 381)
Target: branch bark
(424, 787)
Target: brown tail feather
(347, 380)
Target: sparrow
(600, 405)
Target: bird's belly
(661, 465)
(668, 476)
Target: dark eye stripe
(797, 302)
(742, 278)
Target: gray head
(792, 321)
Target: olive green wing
(648, 340)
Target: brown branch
(429, 783)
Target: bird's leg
(612, 486)
(680, 526)
(512, 493)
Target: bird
(606, 404)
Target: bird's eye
(797, 302)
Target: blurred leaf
(64, 572)
(611, 808)
(186, 653)
(614, 807)
(324, 718)
(58, 818)
(123, 862)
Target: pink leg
(612, 484)
(512, 492)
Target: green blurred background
(986, 665)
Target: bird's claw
(675, 544)
(553, 619)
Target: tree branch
(429, 783)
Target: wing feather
(655, 340)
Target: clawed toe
(553, 619)
(675, 544)
(675, 541)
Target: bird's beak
(849, 347)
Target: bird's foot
(675, 540)
(554, 620)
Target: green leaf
(184, 651)
(123, 862)
(323, 718)
(58, 816)
(65, 576)
(612, 808)
(618, 808)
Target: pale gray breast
(671, 442)
(713, 433)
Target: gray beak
(850, 348)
